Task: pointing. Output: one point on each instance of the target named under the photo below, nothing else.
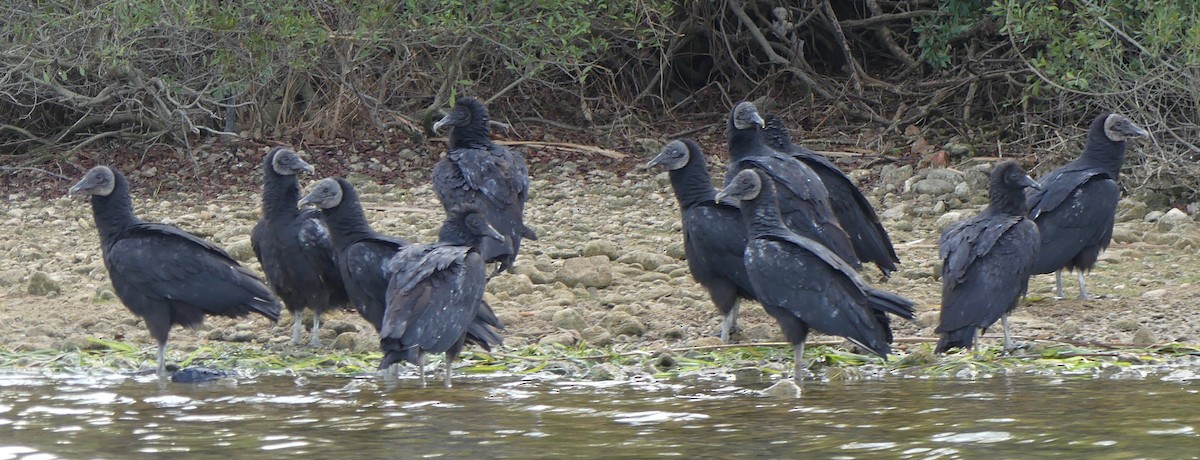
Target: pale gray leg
(1058, 284)
(798, 357)
(447, 380)
(162, 360)
(421, 370)
(315, 341)
(297, 328)
(1083, 295)
(1008, 345)
(730, 323)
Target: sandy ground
(607, 269)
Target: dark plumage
(714, 237)
(854, 213)
(293, 246)
(163, 274)
(363, 257)
(986, 261)
(477, 171)
(435, 292)
(803, 284)
(803, 200)
(1077, 204)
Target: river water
(115, 416)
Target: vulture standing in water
(1077, 204)
(436, 291)
(803, 284)
(364, 257)
(855, 214)
(294, 247)
(803, 200)
(477, 171)
(986, 261)
(714, 237)
(163, 274)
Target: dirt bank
(607, 268)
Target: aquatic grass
(828, 360)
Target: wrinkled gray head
(1011, 176)
(674, 155)
(1118, 128)
(325, 194)
(745, 116)
(465, 111)
(286, 162)
(746, 185)
(100, 180)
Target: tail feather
(884, 301)
(958, 338)
(395, 352)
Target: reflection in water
(1019, 416)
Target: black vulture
(803, 284)
(364, 255)
(803, 200)
(293, 245)
(435, 292)
(987, 260)
(714, 237)
(163, 274)
(1077, 204)
(477, 171)
(855, 214)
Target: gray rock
(928, 319)
(602, 248)
(1173, 218)
(897, 212)
(535, 275)
(597, 336)
(344, 341)
(945, 220)
(568, 318)
(943, 174)
(962, 190)
(339, 327)
(1154, 294)
(42, 284)
(241, 251)
(1144, 336)
(1130, 210)
(564, 338)
(1153, 216)
(1126, 324)
(648, 260)
(783, 389)
(934, 187)
(606, 371)
(621, 323)
(242, 336)
(513, 284)
(895, 176)
(593, 271)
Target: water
(72, 416)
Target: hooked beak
(720, 196)
(1029, 182)
(308, 168)
(307, 200)
(79, 186)
(491, 232)
(759, 120)
(440, 123)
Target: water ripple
(982, 437)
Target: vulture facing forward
(294, 247)
(714, 237)
(479, 172)
(986, 261)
